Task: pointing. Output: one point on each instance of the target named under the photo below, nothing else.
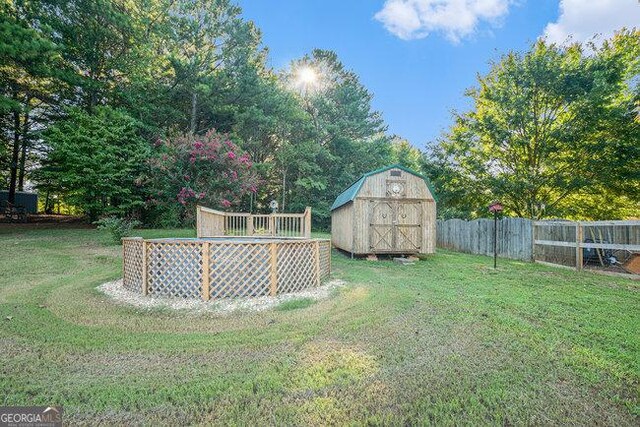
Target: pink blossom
(253, 188)
(198, 145)
(201, 195)
(187, 178)
(231, 155)
(184, 194)
(225, 203)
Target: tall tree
(276, 131)
(100, 42)
(206, 37)
(349, 133)
(27, 75)
(550, 123)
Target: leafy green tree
(402, 152)
(98, 161)
(279, 132)
(340, 106)
(459, 195)
(549, 124)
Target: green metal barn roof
(352, 191)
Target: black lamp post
(495, 207)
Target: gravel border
(226, 306)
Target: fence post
(579, 238)
(307, 222)
(145, 286)
(273, 277)
(272, 225)
(250, 225)
(533, 240)
(317, 260)
(206, 289)
(198, 221)
(223, 224)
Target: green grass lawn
(447, 341)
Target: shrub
(206, 169)
(118, 227)
(97, 161)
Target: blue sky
(419, 56)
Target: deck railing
(212, 223)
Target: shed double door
(395, 226)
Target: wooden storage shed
(387, 211)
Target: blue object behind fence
(28, 200)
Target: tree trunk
(92, 96)
(194, 111)
(284, 188)
(14, 158)
(25, 144)
(47, 209)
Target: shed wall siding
(361, 226)
(341, 227)
(429, 225)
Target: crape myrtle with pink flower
(208, 169)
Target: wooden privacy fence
(213, 223)
(558, 242)
(476, 237)
(221, 268)
(577, 243)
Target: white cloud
(456, 19)
(580, 20)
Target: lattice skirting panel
(296, 266)
(325, 259)
(206, 269)
(239, 270)
(132, 267)
(175, 268)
